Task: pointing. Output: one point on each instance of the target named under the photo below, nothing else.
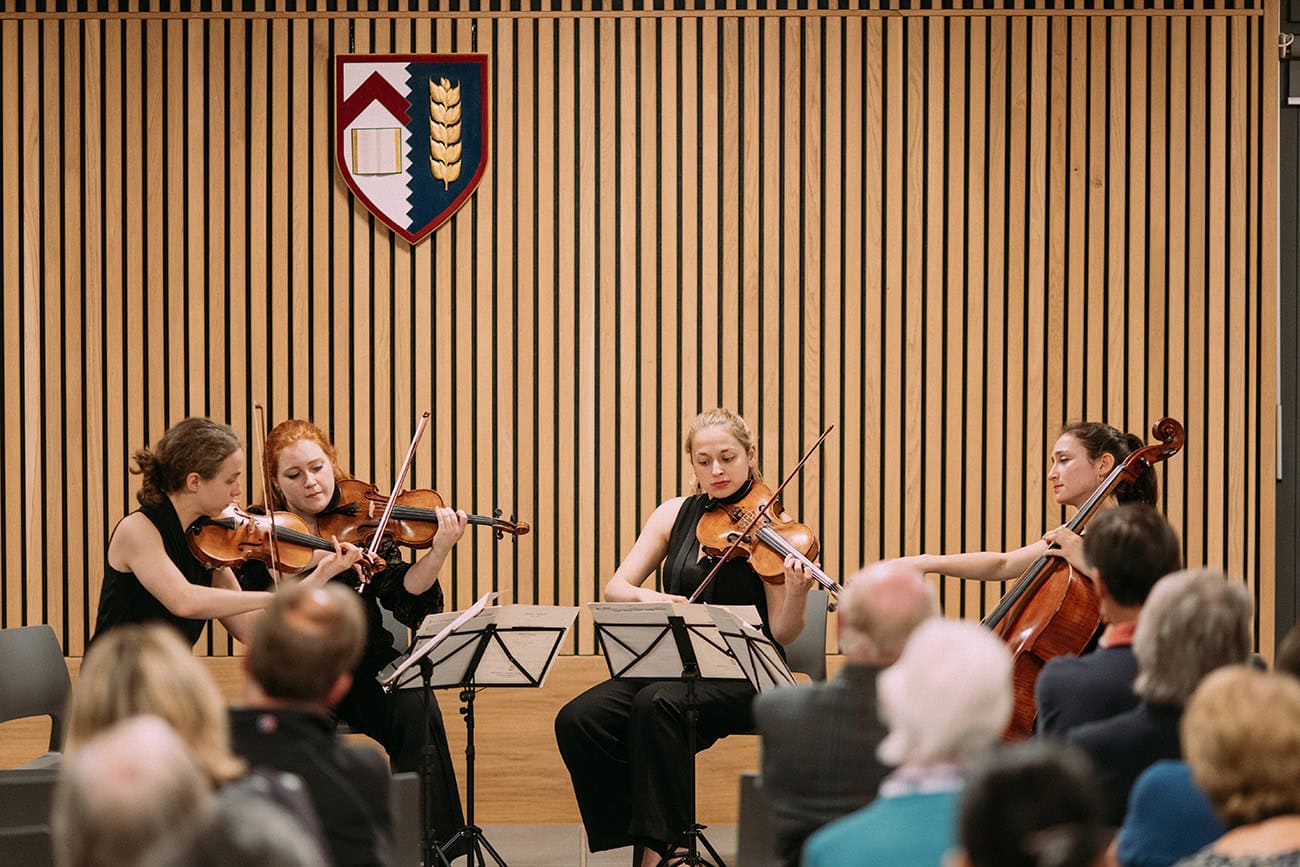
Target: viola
(238, 536)
(1051, 610)
(413, 521)
(731, 530)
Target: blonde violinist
(624, 742)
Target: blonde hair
(735, 425)
(1241, 737)
(146, 669)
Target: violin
(413, 521)
(1052, 610)
(767, 543)
(238, 536)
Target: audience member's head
(1194, 621)
(1131, 547)
(1032, 804)
(124, 790)
(248, 833)
(1288, 653)
(879, 608)
(1241, 737)
(135, 670)
(948, 698)
(306, 645)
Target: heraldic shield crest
(411, 134)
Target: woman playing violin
(1082, 457)
(624, 742)
(304, 480)
(193, 472)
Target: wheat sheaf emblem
(444, 130)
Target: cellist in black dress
(625, 742)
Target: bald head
(307, 639)
(879, 608)
(123, 791)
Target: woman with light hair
(946, 702)
(1193, 622)
(146, 670)
(135, 670)
(1241, 736)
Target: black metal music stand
(471, 654)
(643, 652)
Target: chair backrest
(807, 653)
(404, 801)
(33, 677)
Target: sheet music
(638, 642)
(755, 652)
(520, 652)
(452, 621)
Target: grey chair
(807, 653)
(26, 802)
(405, 804)
(34, 682)
(755, 838)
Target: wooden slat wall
(946, 234)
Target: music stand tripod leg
(476, 840)
(430, 854)
(694, 834)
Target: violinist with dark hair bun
(151, 575)
(304, 475)
(624, 742)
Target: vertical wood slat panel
(947, 264)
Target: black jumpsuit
(625, 742)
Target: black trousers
(396, 720)
(625, 745)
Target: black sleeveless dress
(625, 742)
(124, 599)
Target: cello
(1053, 611)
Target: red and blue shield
(411, 134)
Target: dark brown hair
(1101, 439)
(195, 445)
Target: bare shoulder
(133, 534)
(661, 520)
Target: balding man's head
(307, 639)
(879, 608)
(124, 790)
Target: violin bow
(397, 486)
(759, 514)
(260, 428)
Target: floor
(564, 846)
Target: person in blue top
(946, 702)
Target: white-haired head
(948, 698)
(124, 790)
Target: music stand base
(691, 841)
(477, 842)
